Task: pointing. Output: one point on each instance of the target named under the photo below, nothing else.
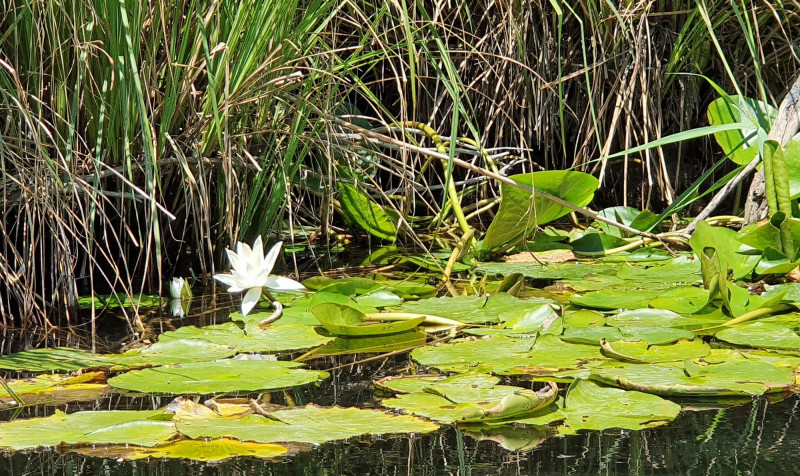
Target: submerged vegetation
(141, 141)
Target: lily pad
(614, 299)
(309, 424)
(765, 335)
(54, 389)
(732, 378)
(253, 338)
(493, 353)
(641, 352)
(475, 309)
(589, 406)
(173, 352)
(373, 344)
(54, 359)
(342, 320)
(142, 428)
(219, 376)
(550, 271)
(199, 450)
(461, 402)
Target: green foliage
(521, 211)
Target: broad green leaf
(593, 242)
(741, 146)
(727, 245)
(142, 428)
(791, 153)
(367, 214)
(475, 309)
(589, 406)
(661, 318)
(308, 424)
(642, 352)
(765, 335)
(739, 377)
(376, 344)
(520, 212)
(216, 377)
(342, 320)
(681, 299)
(678, 270)
(543, 319)
(550, 271)
(55, 389)
(215, 450)
(174, 352)
(253, 338)
(493, 353)
(648, 335)
(614, 299)
(54, 359)
(640, 220)
(446, 402)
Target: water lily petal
(250, 300)
(237, 260)
(228, 279)
(175, 287)
(283, 284)
(272, 256)
(258, 249)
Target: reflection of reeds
(140, 138)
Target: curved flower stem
(275, 315)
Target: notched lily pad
(215, 450)
(309, 424)
(765, 335)
(219, 376)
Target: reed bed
(139, 139)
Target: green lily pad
(591, 335)
(543, 319)
(641, 352)
(681, 299)
(662, 318)
(344, 320)
(218, 376)
(678, 270)
(464, 402)
(54, 389)
(309, 424)
(493, 353)
(475, 309)
(589, 406)
(735, 377)
(765, 335)
(141, 428)
(253, 338)
(614, 299)
(54, 359)
(550, 271)
(373, 344)
(215, 450)
(173, 352)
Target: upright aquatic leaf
(521, 212)
(741, 145)
(365, 213)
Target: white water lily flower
(179, 289)
(250, 270)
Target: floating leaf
(173, 352)
(309, 424)
(520, 212)
(475, 309)
(198, 450)
(375, 344)
(142, 428)
(641, 352)
(738, 377)
(449, 401)
(216, 377)
(551, 271)
(678, 270)
(54, 359)
(344, 320)
(493, 353)
(253, 338)
(765, 335)
(614, 299)
(543, 319)
(54, 389)
(589, 406)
